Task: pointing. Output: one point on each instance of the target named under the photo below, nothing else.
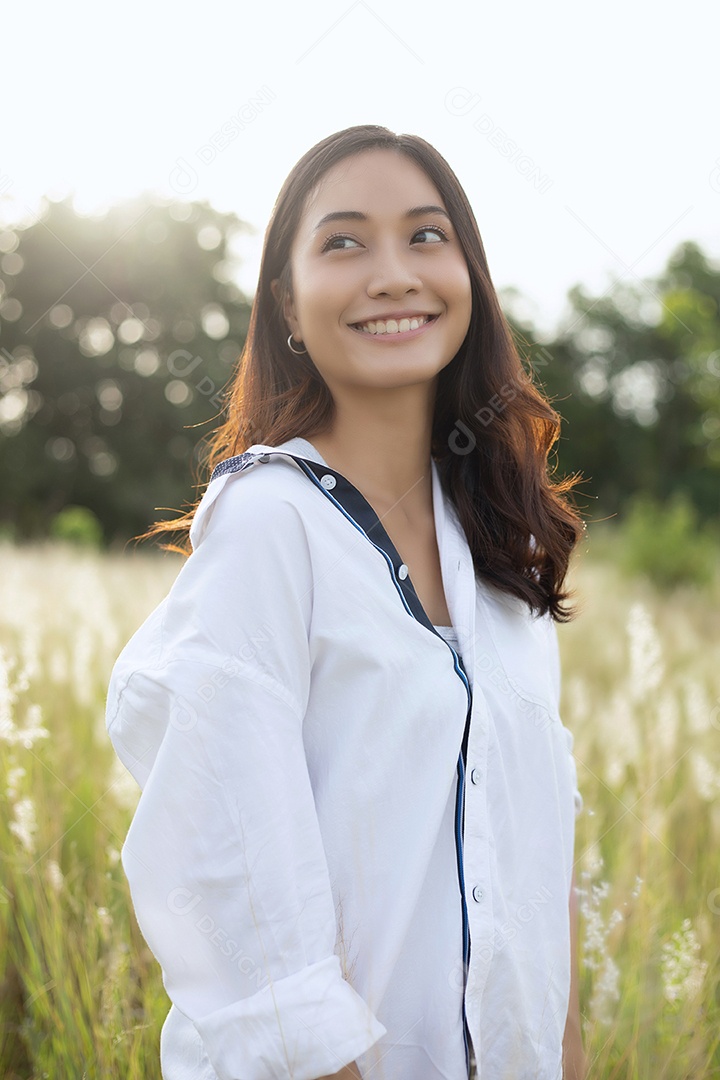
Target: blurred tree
(118, 335)
(635, 374)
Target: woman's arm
(574, 1062)
(224, 856)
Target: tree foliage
(635, 374)
(118, 335)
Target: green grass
(82, 997)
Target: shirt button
(264, 458)
(477, 894)
(328, 481)
(402, 572)
(475, 776)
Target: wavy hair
(493, 428)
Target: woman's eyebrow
(356, 215)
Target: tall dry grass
(641, 692)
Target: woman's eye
(342, 242)
(434, 231)
(331, 241)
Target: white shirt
(298, 861)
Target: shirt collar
(456, 562)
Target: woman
(367, 617)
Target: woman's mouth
(391, 329)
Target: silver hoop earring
(301, 352)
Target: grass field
(82, 997)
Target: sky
(586, 136)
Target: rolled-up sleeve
(224, 856)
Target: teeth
(393, 326)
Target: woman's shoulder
(260, 490)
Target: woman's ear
(288, 309)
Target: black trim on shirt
(359, 509)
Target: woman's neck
(388, 462)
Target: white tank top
(450, 635)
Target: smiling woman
(344, 716)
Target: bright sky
(586, 136)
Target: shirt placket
(460, 590)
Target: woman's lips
(397, 336)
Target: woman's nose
(392, 273)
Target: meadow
(82, 997)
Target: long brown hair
(493, 429)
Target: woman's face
(381, 289)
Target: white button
(403, 572)
(328, 481)
(264, 458)
(477, 894)
(475, 776)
